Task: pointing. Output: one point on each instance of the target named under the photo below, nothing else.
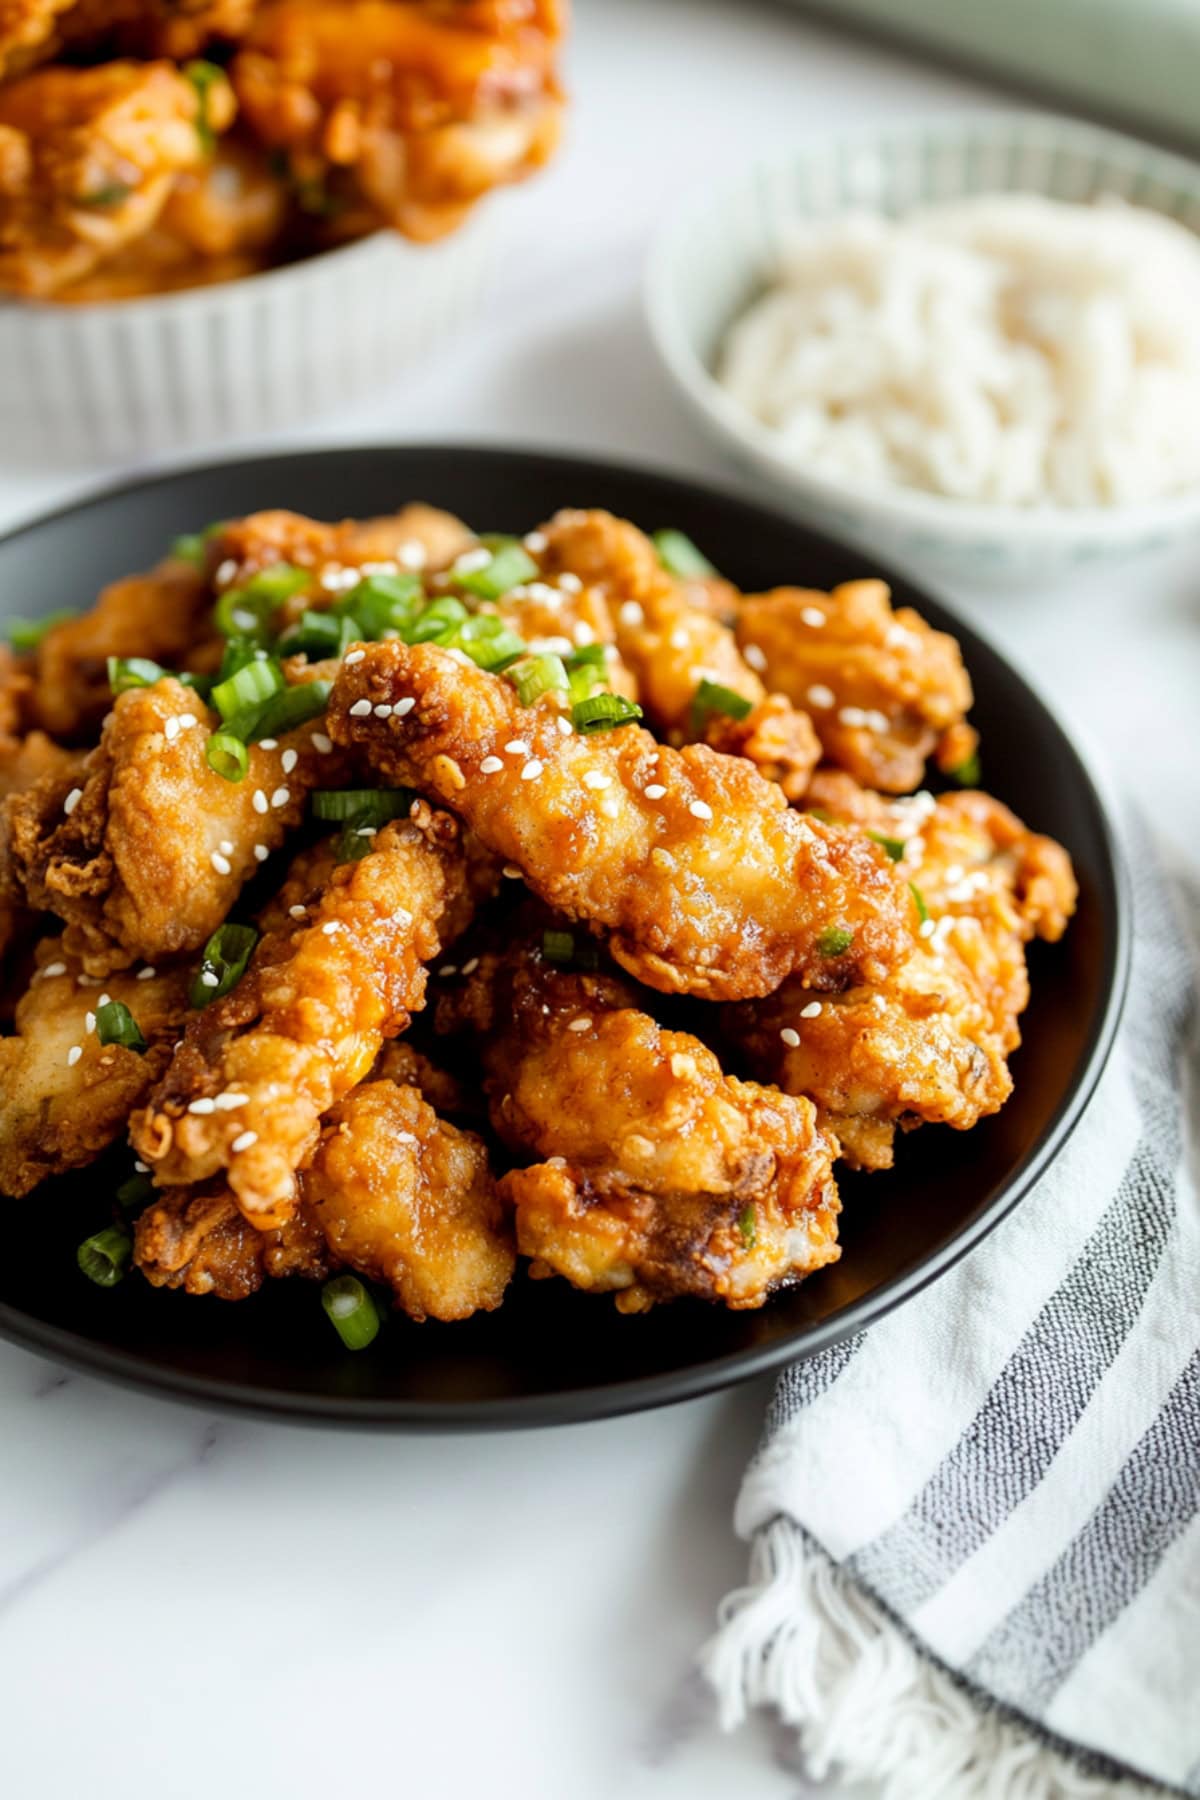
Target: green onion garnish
(203, 75)
(27, 634)
(558, 946)
(893, 846)
(134, 1194)
(509, 567)
(377, 805)
(227, 756)
(969, 772)
(679, 556)
(602, 712)
(111, 194)
(487, 640)
(223, 963)
(357, 838)
(115, 1024)
(587, 656)
(351, 1310)
(247, 611)
(835, 940)
(918, 896)
(284, 711)
(189, 547)
(102, 1258)
(125, 672)
(540, 675)
(254, 683)
(385, 603)
(711, 699)
(748, 1225)
(434, 620)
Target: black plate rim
(577, 1406)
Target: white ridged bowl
(723, 246)
(95, 383)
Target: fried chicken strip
(885, 691)
(258, 1069)
(24, 762)
(146, 849)
(658, 1176)
(708, 883)
(63, 1095)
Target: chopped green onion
(585, 681)
(225, 956)
(385, 603)
(748, 1225)
(253, 683)
(291, 707)
(487, 640)
(540, 675)
(711, 699)
(27, 634)
(835, 940)
(125, 672)
(969, 772)
(247, 611)
(115, 1024)
(357, 838)
(227, 756)
(558, 946)
(203, 76)
(434, 620)
(508, 568)
(351, 1311)
(134, 1194)
(918, 896)
(236, 654)
(820, 812)
(320, 635)
(111, 194)
(893, 846)
(602, 712)
(189, 548)
(679, 556)
(102, 1258)
(377, 805)
(587, 656)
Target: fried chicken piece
(884, 689)
(931, 1043)
(671, 645)
(406, 111)
(27, 30)
(162, 615)
(196, 1239)
(63, 1095)
(401, 1062)
(24, 761)
(709, 884)
(259, 1068)
(659, 1175)
(88, 158)
(418, 538)
(404, 1198)
(144, 853)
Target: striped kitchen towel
(975, 1529)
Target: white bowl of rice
(971, 344)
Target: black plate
(551, 1354)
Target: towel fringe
(866, 1705)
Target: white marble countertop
(191, 1605)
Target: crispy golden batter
(156, 846)
(708, 883)
(931, 1043)
(24, 761)
(659, 1175)
(88, 158)
(196, 1239)
(58, 1111)
(404, 1198)
(307, 1020)
(405, 111)
(885, 691)
(418, 537)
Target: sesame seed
(148, 973)
(104, 1000)
(74, 1054)
(790, 1038)
(854, 716)
(448, 969)
(329, 927)
(259, 802)
(280, 797)
(361, 709)
(404, 1137)
(72, 801)
(243, 618)
(383, 710)
(220, 863)
(569, 583)
(513, 873)
(411, 554)
(261, 853)
(491, 765)
(245, 1140)
(141, 1168)
(812, 615)
(203, 1105)
(811, 1011)
(631, 613)
(517, 747)
(582, 632)
(54, 968)
(610, 809)
(655, 791)
(229, 1101)
(209, 978)
(320, 743)
(700, 809)
(583, 1023)
(756, 657)
(187, 720)
(225, 847)
(594, 779)
(532, 769)
(297, 912)
(355, 656)
(820, 696)
(678, 639)
(225, 571)
(927, 928)
(536, 541)
(403, 707)
(469, 968)
(89, 1022)
(402, 916)
(541, 590)
(471, 561)
(268, 743)
(367, 831)
(564, 725)
(288, 761)
(557, 646)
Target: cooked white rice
(1009, 349)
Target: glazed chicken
(657, 1175)
(33, 31)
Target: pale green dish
(722, 247)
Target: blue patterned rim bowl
(723, 245)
